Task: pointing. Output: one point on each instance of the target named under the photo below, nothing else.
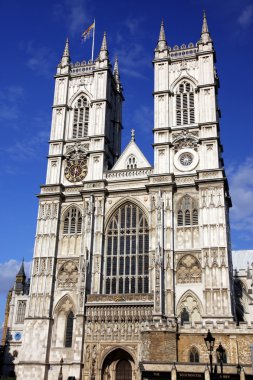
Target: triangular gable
(133, 150)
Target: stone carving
(119, 297)
(185, 139)
(68, 275)
(48, 211)
(188, 270)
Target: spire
(205, 35)
(65, 57)
(21, 272)
(103, 54)
(132, 135)
(162, 44)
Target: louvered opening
(180, 218)
(187, 218)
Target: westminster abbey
(132, 262)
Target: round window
(186, 159)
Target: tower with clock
(132, 262)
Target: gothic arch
(188, 270)
(78, 94)
(187, 78)
(66, 300)
(66, 210)
(64, 307)
(120, 203)
(190, 303)
(112, 359)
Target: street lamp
(220, 357)
(209, 341)
(60, 376)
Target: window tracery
(68, 275)
(81, 118)
(127, 247)
(189, 303)
(185, 104)
(194, 355)
(188, 270)
(187, 214)
(21, 312)
(72, 222)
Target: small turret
(20, 279)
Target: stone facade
(132, 263)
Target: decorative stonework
(188, 270)
(68, 275)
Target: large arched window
(187, 214)
(127, 248)
(72, 222)
(69, 329)
(185, 104)
(81, 118)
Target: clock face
(76, 170)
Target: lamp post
(220, 356)
(60, 376)
(209, 341)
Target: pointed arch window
(81, 118)
(185, 113)
(185, 316)
(72, 222)
(69, 329)
(187, 214)
(194, 355)
(21, 312)
(127, 252)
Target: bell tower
(187, 146)
(86, 121)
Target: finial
(205, 35)
(162, 44)
(132, 134)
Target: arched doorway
(118, 365)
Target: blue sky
(33, 35)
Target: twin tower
(128, 256)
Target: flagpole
(93, 35)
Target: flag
(86, 33)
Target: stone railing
(122, 174)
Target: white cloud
(246, 16)
(41, 59)
(8, 271)
(241, 186)
(143, 118)
(132, 59)
(27, 148)
(75, 15)
(10, 99)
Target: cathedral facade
(132, 262)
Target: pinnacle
(116, 67)
(162, 33)
(162, 44)
(204, 25)
(205, 35)
(104, 43)
(66, 49)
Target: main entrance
(118, 365)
